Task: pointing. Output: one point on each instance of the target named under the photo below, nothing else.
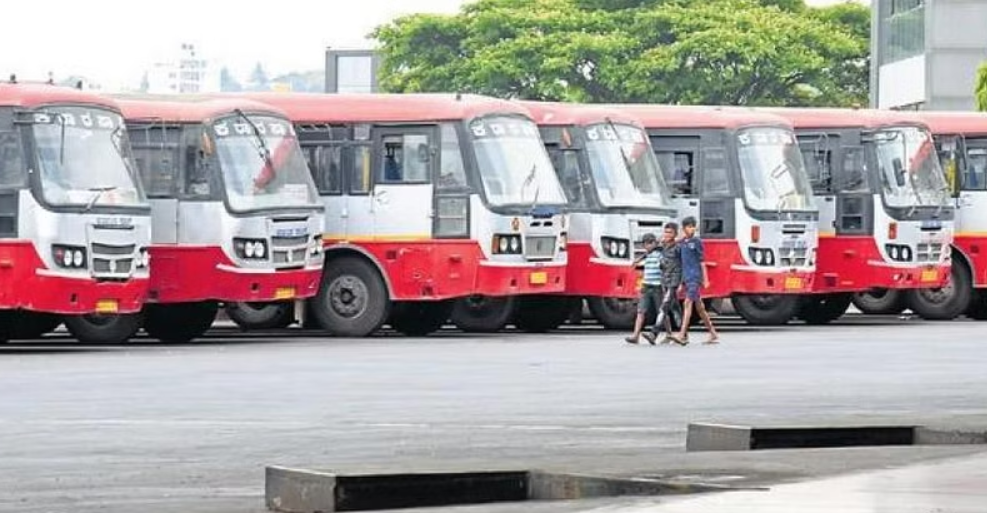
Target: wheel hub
(348, 296)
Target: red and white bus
(429, 199)
(740, 174)
(74, 222)
(236, 217)
(616, 193)
(886, 221)
(961, 140)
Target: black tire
(880, 302)
(25, 325)
(540, 314)
(482, 314)
(978, 306)
(419, 318)
(613, 313)
(946, 303)
(103, 329)
(575, 317)
(352, 299)
(262, 316)
(819, 309)
(179, 323)
(766, 309)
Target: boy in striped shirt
(650, 285)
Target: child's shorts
(649, 299)
(692, 290)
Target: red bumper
(591, 277)
(854, 264)
(205, 273)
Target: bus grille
(106, 266)
(792, 257)
(539, 248)
(929, 252)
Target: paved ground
(190, 428)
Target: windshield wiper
(620, 147)
(528, 181)
(262, 150)
(98, 193)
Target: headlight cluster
(252, 249)
(143, 259)
(616, 248)
(70, 257)
(899, 252)
(316, 249)
(506, 244)
(762, 256)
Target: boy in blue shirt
(694, 278)
(650, 285)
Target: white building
(186, 73)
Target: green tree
(981, 87)
(656, 51)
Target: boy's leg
(643, 304)
(704, 315)
(686, 318)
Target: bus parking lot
(190, 427)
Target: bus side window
(157, 159)
(566, 163)
(359, 179)
(325, 164)
(12, 171)
(452, 172)
(975, 176)
(679, 168)
(715, 175)
(854, 178)
(406, 159)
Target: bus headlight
(255, 249)
(899, 252)
(761, 256)
(143, 259)
(506, 244)
(69, 257)
(615, 248)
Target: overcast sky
(79, 36)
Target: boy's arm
(702, 262)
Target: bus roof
(844, 118)
(188, 109)
(37, 95)
(699, 116)
(384, 108)
(565, 114)
(968, 123)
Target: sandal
(631, 340)
(650, 337)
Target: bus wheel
(818, 309)
(482, 314)
(880, 302)
(945, 303)
(766, 309)
(25, 325)
(419, 318)
(538, 314)
(613, 313)
(103, 329)
(262, 316)
(352, 300)
(179, 322)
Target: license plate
(107, 306)
(538, 278)
(930, 275)
(284, 293)
(793, 283)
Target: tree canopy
(981, 87)
(754, 52)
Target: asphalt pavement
(190, 428)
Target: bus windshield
(84, 158)
(772, 170)
(625, 169)
(909, 168)
(262, 164)
(513, 163)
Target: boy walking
(694, 278)
(671, 280)
(650, 285)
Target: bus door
(972, 199)
(819, 152)
(855, 202)
(401, 198)
(679, 159)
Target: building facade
(925, 53)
